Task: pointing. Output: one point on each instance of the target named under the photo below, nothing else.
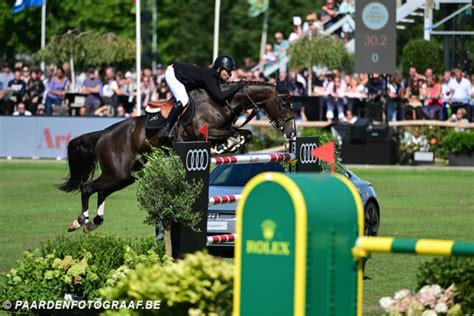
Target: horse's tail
(82, 161)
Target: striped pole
(224, 199)
(430, 247)
(220, 239)
(261, 158)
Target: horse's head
(280, 110)
(274, 101)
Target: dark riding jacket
(195, 77)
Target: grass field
(414, 204)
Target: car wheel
(372, 223)
(372, 219)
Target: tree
(422, 54)
(87, 49)
(165, 194)
(317, 51)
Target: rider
(184, 77)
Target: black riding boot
(172, 117)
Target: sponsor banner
(45, 137)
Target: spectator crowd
(343, 96)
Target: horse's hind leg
(87, 190)
(106, 188)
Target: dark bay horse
(115, 148)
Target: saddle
(157, 113)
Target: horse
(115, 148)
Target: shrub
(451, 270)
(199, 283)
(165, 194)
(459, 142)
(422, 54)
(79, 265)
(49, 278)
(108, 251)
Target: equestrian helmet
(224, 61)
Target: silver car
(230, 179)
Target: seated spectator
(312, 26)
(40, 110)
(349, 117)
(394, 90)
(82, 111)
(297, 30)
(459, 118)
(328, 13)
(110, 89)
(34, 92)
(414, 96)
(433, 104)
(56, 91)
(91, 88)
(269, 58)
(460, 92)
(16, 93)
(335, 96)
(25, 74)
(163, 92)
(21, 110)
(121, 111)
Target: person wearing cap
(160, 74)
(182, 78)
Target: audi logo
(305, 153)
(197, 160)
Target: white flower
(437, 290)
(401, 294)
(441, 308)
(386, 302)
(429, 312)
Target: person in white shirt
(21, 110)
(445, 92)
(110, 88)
(460, 92)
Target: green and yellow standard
(300, 246)
(296, 235)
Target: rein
(255, 108)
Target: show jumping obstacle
(224, 199)
(304, 236)
(197, 160)
(221, 239)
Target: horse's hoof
(89, 227)
(74, 226)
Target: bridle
(278, 124)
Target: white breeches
(176, 87)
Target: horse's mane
(250, 83)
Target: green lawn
(414, 203)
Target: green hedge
(451, 270)
(459, 142)
(199, 285)
(80, 265)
